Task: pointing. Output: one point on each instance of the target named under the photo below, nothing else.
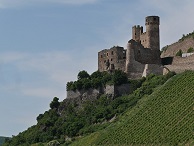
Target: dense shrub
(82, 75)
(190, 50)
(97, 79)
(179, 53)
(119, 77)
(55, 103)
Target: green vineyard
(163, 118)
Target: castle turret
(152, 32)
(136, 32)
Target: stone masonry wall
(110, 59)
(134, 69)
(153, 69)
(93, 94)
(89, 94)
(180, 64)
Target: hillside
(163, 118)
(73, 118)
(2, 139)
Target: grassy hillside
(163, 118)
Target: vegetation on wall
(97, 79)
(187, 36)
(179, 53)
(190, 50)
(164, 49)
(74, 121)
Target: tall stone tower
(152, 32)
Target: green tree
(55, 103)
(96, 82)
(119, 77)
(190, 50)
(83, 74)
(96, 74)
(106, 78)
(78, 84)
(86, 83)
(70, 86)
(40, 116)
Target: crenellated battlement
(152, 20)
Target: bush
(179, 53)
(96, 74)
(96, 80)
(55, 103)
(190, 50)
(83, 74)
(70, 86)
(119, 77)
(86, 83)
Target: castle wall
(143, 40)
(180, 64)
(137, 32)
(174, 48)
(93, 94)
(110, 59)
(144, 55)
(153, 69)
(115, 91)
(90, 94)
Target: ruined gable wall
(116, 57)
(174, 48)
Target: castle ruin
(141, 58)
(142, 55)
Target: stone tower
(144, 48)
(152, 32)
(137, 32)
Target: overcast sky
(45, 43)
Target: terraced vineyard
(163, 118)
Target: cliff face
(184, 45)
